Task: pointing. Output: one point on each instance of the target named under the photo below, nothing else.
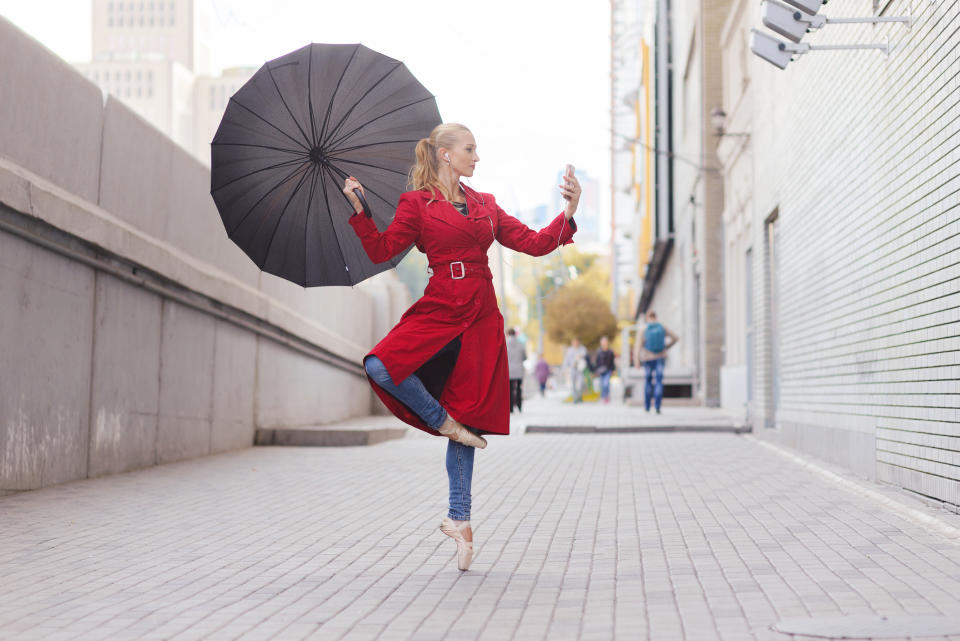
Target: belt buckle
(463, 270)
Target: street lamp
(718, 118)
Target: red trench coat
(473, 388)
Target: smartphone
(568, 173)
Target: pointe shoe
(464, 547)
(457, 432)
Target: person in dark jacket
(604, 365)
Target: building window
(116, 76)
(120, 22)
(139, 92)
(149, 92)
(109, 22)
(127, 74)
(141, 21)
(149, 75)
(151, 21)
(139, 75)
(171, 19)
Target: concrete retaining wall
(133, 332)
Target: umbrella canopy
(290, 136)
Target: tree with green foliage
(576, 310)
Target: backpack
(654, 338)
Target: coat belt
(459, 269)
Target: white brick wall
(860, 153)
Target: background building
(678, 234)
(156, 57)
(853, 245)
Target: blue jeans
(460, 473)
(410, 392)
(414, 395)
(605, 384)
(654, 388)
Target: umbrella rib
(333, 95)
(276, 228)
(280, 95)
(344, 174)
(344, 137)
(262, 198)
(366, 164)
(248, 144)
(366, 93)
(372, 144)
(313, 124)
(306, 224)
(286, 163)
(326, 199)
(295, 141)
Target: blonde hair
(425, 173)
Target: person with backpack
(652, 352)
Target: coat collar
(477, 203)
(477, 206)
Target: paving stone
(579, 536)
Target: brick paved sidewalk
(626, 536)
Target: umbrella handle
(363, 201)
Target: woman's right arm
(403, 231)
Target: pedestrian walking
(516, 354)
(542, 371)
(575, 361)
(604, 365)
(652, 349)
(443, 367)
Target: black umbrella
(290, 136)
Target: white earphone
(446, 157)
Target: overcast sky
(529, 77)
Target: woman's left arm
(515, 235)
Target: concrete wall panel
(46, 323)
(295, 390)
(343, 311)
(126, 378)
(186, 383)
(136, 184)
(52, 116)
(234, 376)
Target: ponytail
(425, 173)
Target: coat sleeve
(513, 234)
(403, 231)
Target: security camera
(784, 20)
(769, 48)
(807, 6)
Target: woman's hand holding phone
(570, 189)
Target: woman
(575, 361)
(444, 366)
(542, 372)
